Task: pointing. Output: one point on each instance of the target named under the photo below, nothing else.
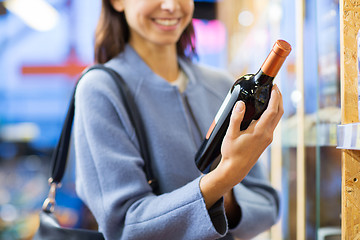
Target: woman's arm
(240, 151)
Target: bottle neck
(261, 78)
(272, 64)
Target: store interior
(40, 61)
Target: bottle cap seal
(276, 58)
(282, 48)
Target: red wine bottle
(254, 90)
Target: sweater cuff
(216, 215)
(218, 218)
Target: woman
(149, 43)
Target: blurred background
(45, 44)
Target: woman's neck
(161, 59)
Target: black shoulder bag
(49, 227)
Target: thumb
(236, 118)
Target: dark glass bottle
(254, 90)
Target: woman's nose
(169, 5)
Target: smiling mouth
(167, 22)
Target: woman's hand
(241, 149)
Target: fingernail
(239, 106)
(277, 89)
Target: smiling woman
(151, 44)
(113, 29)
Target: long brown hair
(112, 33)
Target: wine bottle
(254, 90)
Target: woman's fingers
(269, 119)
(280, 108)
(236, 118)
(274, 111)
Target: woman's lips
(167, 22)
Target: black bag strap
(60, 155)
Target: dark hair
(112, 33)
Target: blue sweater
(109, 168)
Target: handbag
(49, 227)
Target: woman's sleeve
(111, 181)
(259, 204)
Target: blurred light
(246, 18)
(275, 13)
(38, 14)
(210, 36)
(329, 16)
(8, 213)
(296, 97)
(21, 132)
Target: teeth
(166, 22)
